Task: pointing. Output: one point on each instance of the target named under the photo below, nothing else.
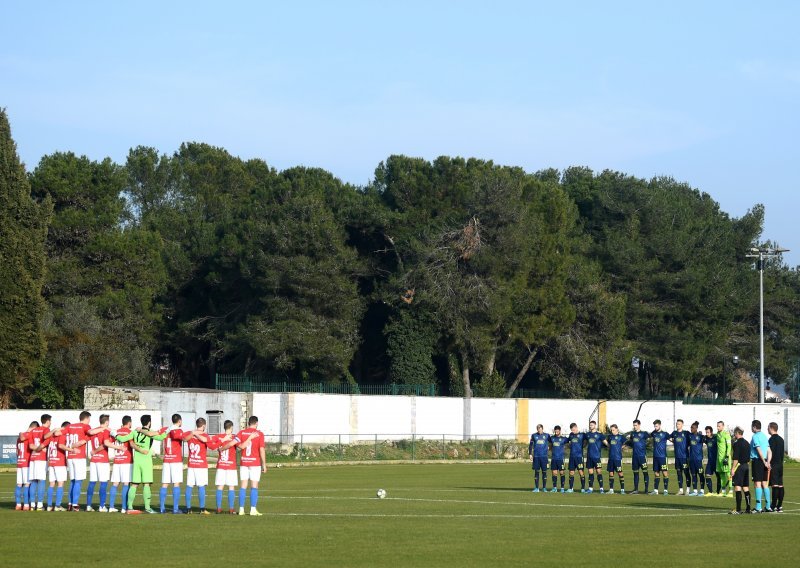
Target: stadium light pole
(761, 254)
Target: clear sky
(706, 92)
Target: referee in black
(741, 470)
(777, 446)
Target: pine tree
(23, 229)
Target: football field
(433, 515)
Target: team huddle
(727, 460)
(48, 458)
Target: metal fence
(244, 383)
(411, 447)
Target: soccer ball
(381, 493)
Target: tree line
(476, 277)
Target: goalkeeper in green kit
(141, 441)
(724, 448)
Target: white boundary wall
(329, 418)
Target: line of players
(60, 454)
(765, 454)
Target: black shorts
(759, 471)
(776, 476)
(741, 477)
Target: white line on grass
(477, 516)
(476, 502)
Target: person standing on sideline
(594, 446)
(172, 469)
(197, 470)
(57, 469)
(637, 440)
(123, 468)
(760, 455)
(724, 459)
(77, 436)
(37, 468)
(576, 441)
(680, 446)
(710, 440)
(253, 462)
(557, 444)
(141, 441)
(778, 449)
(741, 474)
(660, 438)
(537, 451)
(226, 468)
(615, 443)
(22, 490)
(695, 441)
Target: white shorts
(99, 472)
(172, 473)
(77, 469)
(121, 473)
(57, 473)
(22, 475)
(37, 470)
(196, 476)
(226, 477)
(251, 473)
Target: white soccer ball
(381, 493)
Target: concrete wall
(329, 418)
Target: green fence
(301, 448)
(244, 383)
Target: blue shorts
(540, 463)
(711, 467)
(696, 466)
(557, 465)
(576, 462)
(680, 463)
(639, 463)
(594, 463)
(614, 465)
(659, 464)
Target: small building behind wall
(213, 405)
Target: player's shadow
(484, 488)
(662, 505)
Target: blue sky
(706, 92)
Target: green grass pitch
(434, 515)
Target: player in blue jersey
(594, 445)
(680, 445)
(576, 441)
(615, 443)
(557, 444)
(537, 451)
(637, 440)
(659, 457)
(695, 440)
(710, 440)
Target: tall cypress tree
(23, 229)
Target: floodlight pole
(760, 253)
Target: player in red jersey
(57, 468)
(22, 490)
(77, 437)
(197, 472)
(172, 470)
(253, 462)
(123, 467)
(99, 465)
(226, 468)
(37, 467)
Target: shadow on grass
(484, 488)
(669, 505)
